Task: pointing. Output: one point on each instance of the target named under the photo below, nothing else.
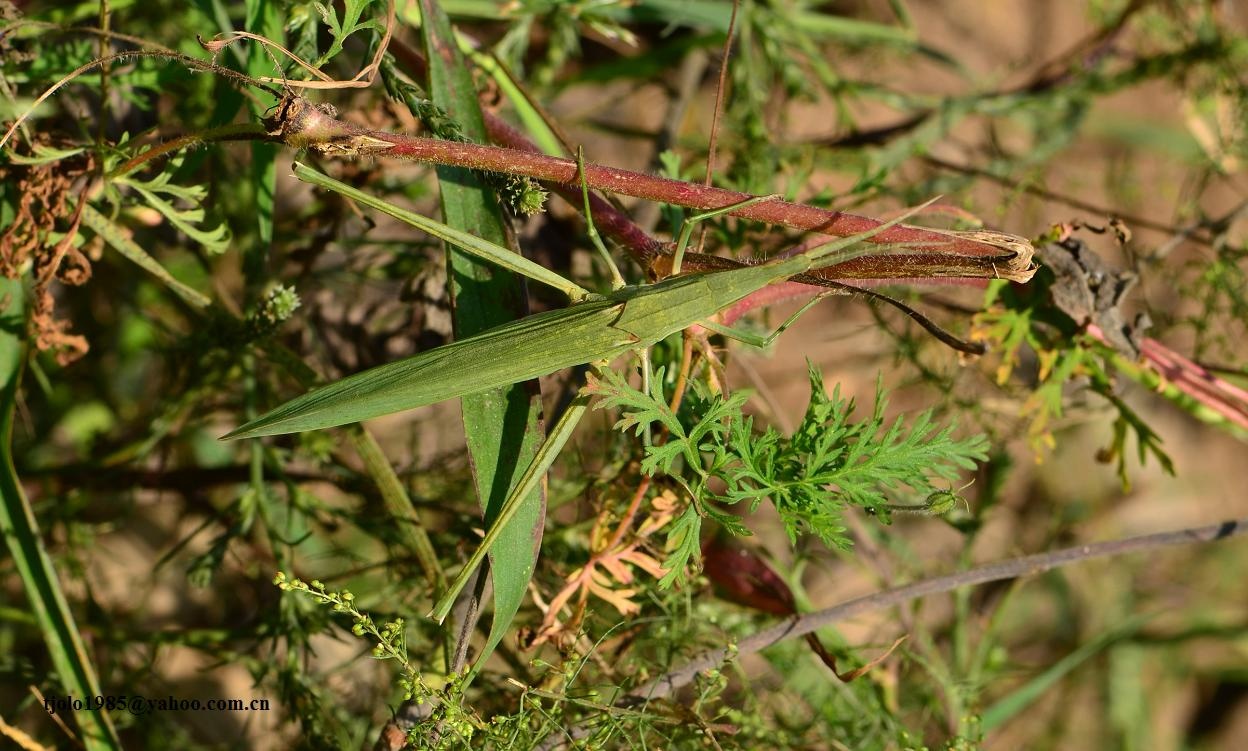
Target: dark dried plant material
(1091, 292)
(9, 51)
(1072, 319)
(44, 192)
(740, 575)
(1101, 288)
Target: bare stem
(301, 124)
(1029, 565)
(800, 626)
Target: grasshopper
(595, 328)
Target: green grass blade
(117, 239)
(1023, 697)
(536, 345)
(489, 251)
(555, 442)
(503, 355)
(534, 124)
(503, 426)
(21, 536)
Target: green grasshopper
(593, 329)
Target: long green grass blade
(534, 124)
(1021, 698)
(528, 483)
(117, 239)
(586, 332)
(511, 353)
(21, 536)
(503, 426)
(482, 249)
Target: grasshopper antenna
(186, 60)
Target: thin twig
(713, 140)
(1026, 566)
(800, 626)
(1050, 76)
(190, 62)
(362, 80)
(1075, 203)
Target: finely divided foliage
(829, 463)
(832, 462)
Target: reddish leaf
(746, 579)
(741, 576)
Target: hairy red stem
(940, 253)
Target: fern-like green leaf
(812, 477)
(189, 220)
(831, 463)
(683, 545)
(638, 410)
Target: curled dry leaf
(611, 563)
(46, 199)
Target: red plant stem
(645, 249)
(302, 125)
(609, 220)
(1223, 397)
(641, 246)
(626, 523)
(654, 188)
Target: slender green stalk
(30, 558)
(399, 506)
(462, 240)
(546, 455)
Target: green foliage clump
(829, 464)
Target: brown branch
(300, 124)
(797, 627)
(1026, 566)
